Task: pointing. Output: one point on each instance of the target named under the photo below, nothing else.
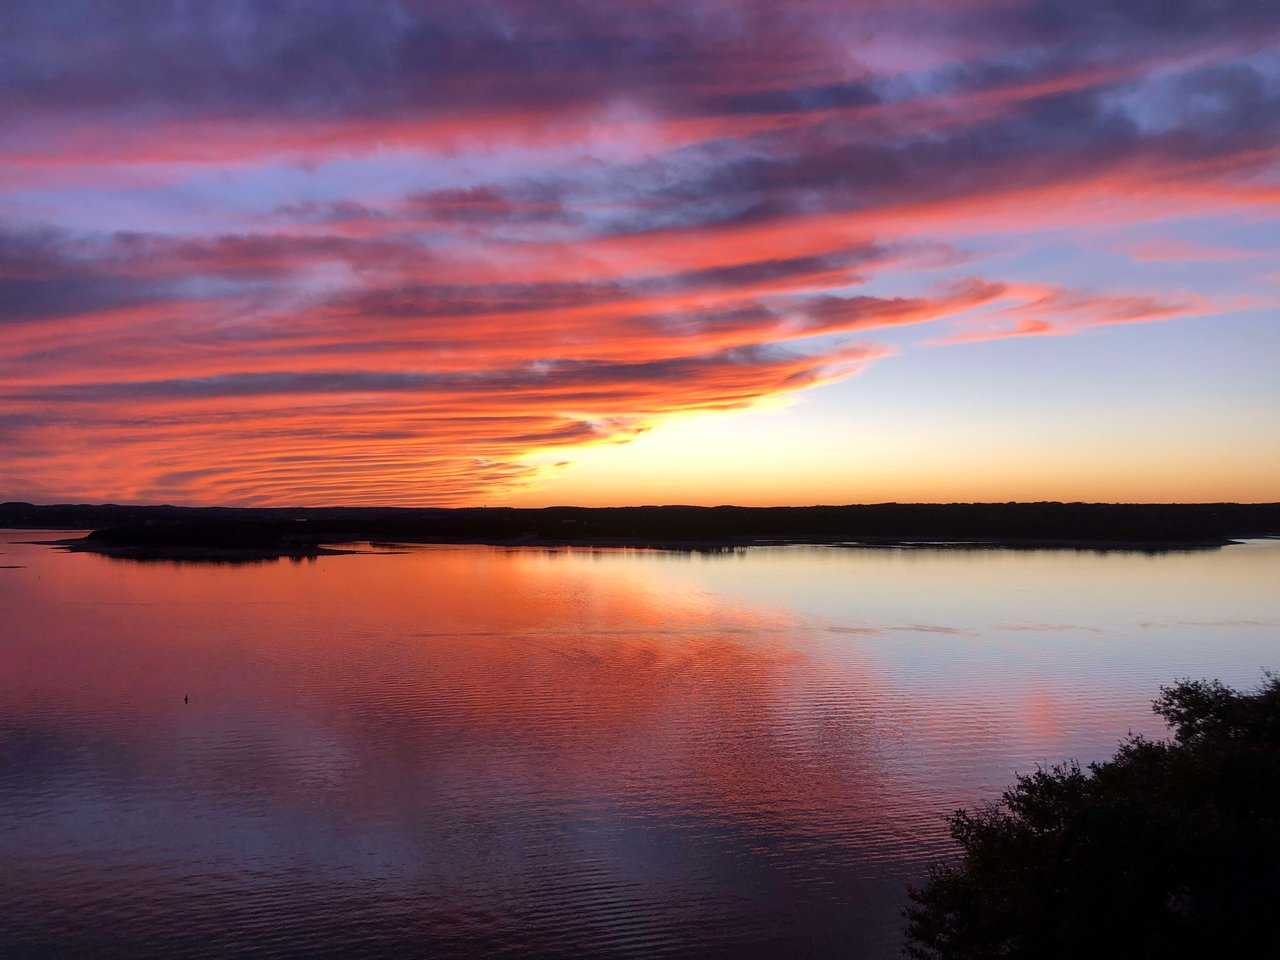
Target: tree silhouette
(1170, 849)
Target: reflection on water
(474, 751)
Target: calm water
(469, 751)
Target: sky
(531, 252)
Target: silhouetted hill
(1147, 526)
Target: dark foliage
(1170, 849)
(1146, 526)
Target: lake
(476, 751)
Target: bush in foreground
(1170, 849)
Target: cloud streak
(329, 252)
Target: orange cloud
(245, 266)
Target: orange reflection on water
(518, 734)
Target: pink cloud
(602, 215)
(1171, 249)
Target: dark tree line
(1170, 849)
(1154, 525)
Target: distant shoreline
(838, 544)
(253, 534)
(196, 553)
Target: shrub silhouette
(1170, 849)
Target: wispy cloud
(1187, 251)
(336, 252)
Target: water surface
(472, 751)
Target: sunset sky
(525, 252)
